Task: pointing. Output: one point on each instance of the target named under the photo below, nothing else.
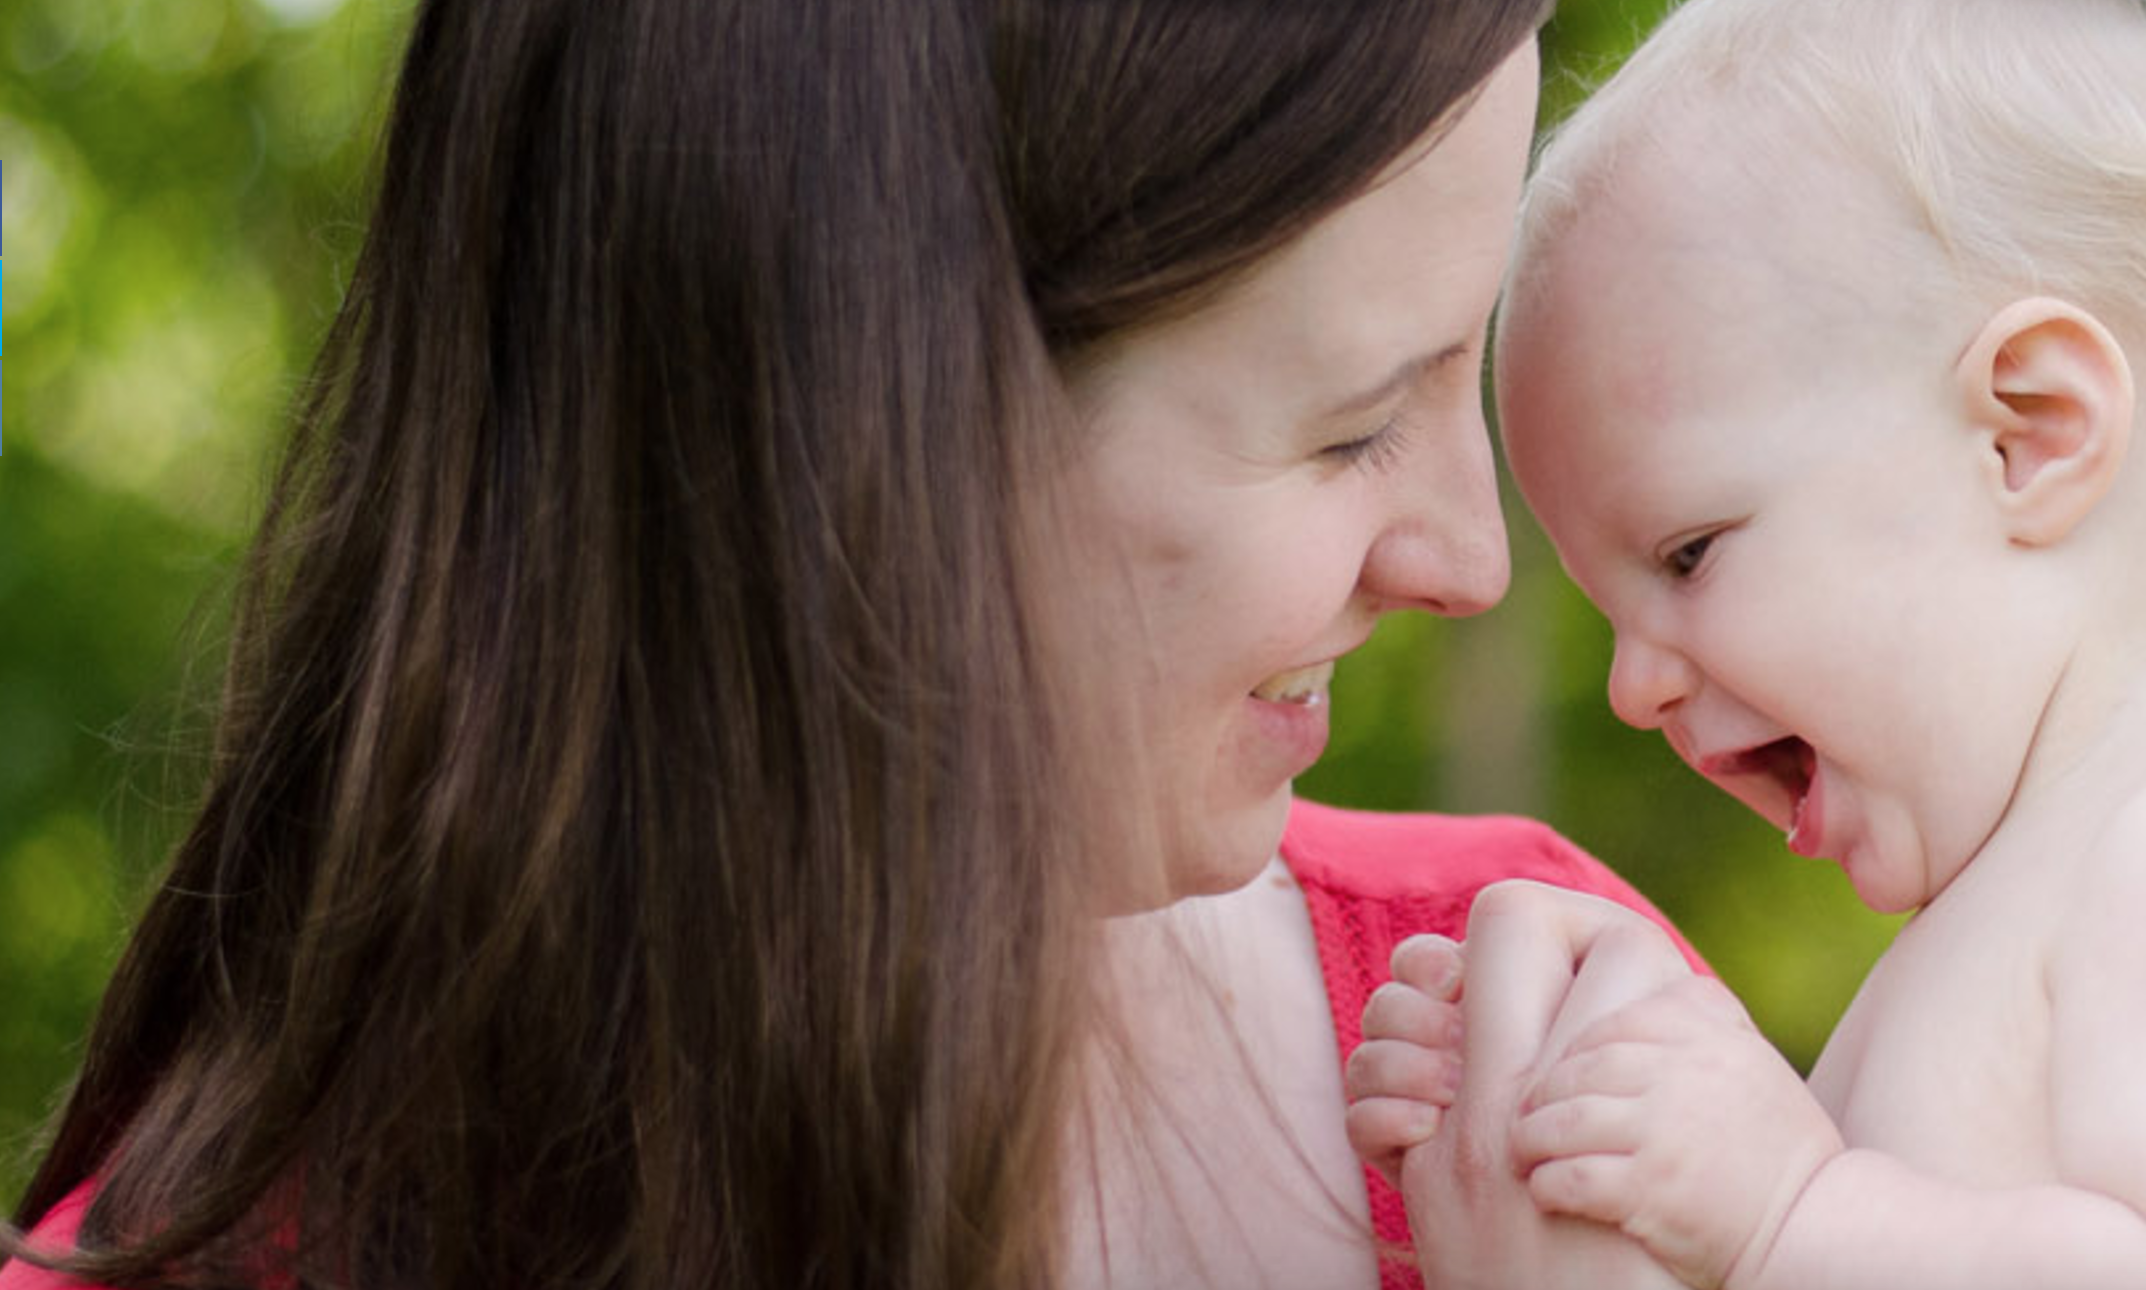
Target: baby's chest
(1942, 1060)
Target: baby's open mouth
(1788, 762)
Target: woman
(805, 510)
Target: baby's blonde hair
(2010, 134)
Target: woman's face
(1269, 475)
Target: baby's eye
(1686, 559)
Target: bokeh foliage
(185, 185)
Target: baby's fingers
(1400, 1069)
(1600, 1187)
(1383, 1129)
(1588, 1125)
(1612, 1070)
(1690, 1010)
(1431, 963)
(1398, 1011)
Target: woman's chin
(1211, 853)
(1230, 850)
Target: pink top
(1370, 881)
(54, 1232)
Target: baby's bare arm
(1666, 1164)
(1674, 1120)
(1689, 1133)
(1529, 948)
(1871, 1220)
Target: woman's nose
(1447, 555)
(1441, 540)
(1647, 680)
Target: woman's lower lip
(1295, 732)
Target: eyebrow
(1400, 377)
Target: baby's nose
(1647, 680)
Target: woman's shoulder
(54, 1234)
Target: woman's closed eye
(1414, 391)
(1374, 451)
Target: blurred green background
(185, 181)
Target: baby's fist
(1405, 1074)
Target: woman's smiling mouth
(1306, 686)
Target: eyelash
(1375, 451)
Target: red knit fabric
(57, 1232)
(1371, 880)
(54, 1234)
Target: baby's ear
(2051, 389)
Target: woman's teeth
(1306, 685)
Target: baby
(1817, 367)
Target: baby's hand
(1404, 1075)
(1675, 1120)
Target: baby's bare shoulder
(2127, 825)
(2096, 988)
(2115, 863)
(2104, 921)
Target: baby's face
(1760, 477)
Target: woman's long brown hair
(634, 854)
